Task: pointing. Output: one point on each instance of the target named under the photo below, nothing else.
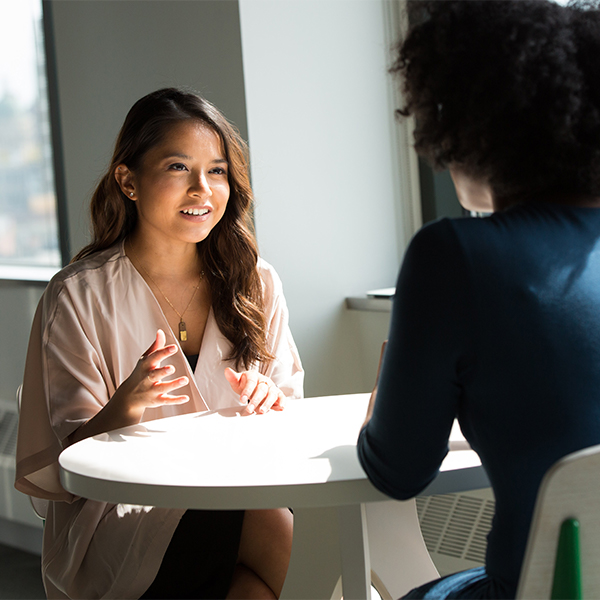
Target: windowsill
(27, 274)
(369, 304)
(374, 301)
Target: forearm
(115, 414)
(370, 407)
(374, 392)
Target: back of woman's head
(113, 215)
(508, 91)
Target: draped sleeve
(285, 369)
(38, 447)
(66, 382)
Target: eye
(177, 167)
(218, 171)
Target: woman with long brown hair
(173, 261)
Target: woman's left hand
(257, 390)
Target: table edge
(333, 493)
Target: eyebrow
(187, 157)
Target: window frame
(43, 274)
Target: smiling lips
(195, 211)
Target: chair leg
(399, 558)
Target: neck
(166, 260)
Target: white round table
(303, 457)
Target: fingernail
(250, 408)
(244, 399)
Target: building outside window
(29, 234)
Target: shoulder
(462, 239)
(271, 281)
(484, 240)
(436, 233)
(99, 271)
(439, 259)
(452, 232)
(90, 266)
(437, 242)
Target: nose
(200, 186)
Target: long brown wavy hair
(229, 254)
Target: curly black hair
(506, 90)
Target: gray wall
(110, 53)
(438, 196)
(18, 302)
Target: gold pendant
(182, 331)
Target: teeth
(195, 211)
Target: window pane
(28, 217)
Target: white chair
(399, 558)
(568, 501)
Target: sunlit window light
(28, 215)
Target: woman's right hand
(145, 387)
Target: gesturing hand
(145, 387)
(256, 389)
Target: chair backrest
(40, 506)
(569, 491)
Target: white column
(325, 169)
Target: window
(29, 235)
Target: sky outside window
(28, 217)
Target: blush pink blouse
(95, 319)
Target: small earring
(131, 194)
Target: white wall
(324, 167)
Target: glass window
(28, 214)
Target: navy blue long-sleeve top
(496, 322)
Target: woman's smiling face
(181, 189)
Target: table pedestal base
(315, 564)
(330, 546)
(354, 550)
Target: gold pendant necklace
(182, 326)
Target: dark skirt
(201, 557)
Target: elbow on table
(405, 491)
(398, 483)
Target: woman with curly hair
(496, 320)
(173, 263)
